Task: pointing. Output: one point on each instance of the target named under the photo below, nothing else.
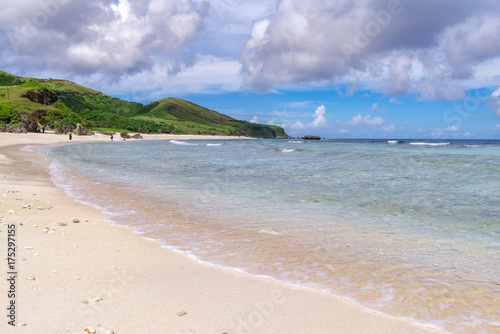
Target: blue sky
(333, 68)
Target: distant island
(30, 104)
(311, 138)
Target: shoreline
(132, 284)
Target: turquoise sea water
(408, 228)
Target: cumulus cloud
(110, 37)
(389, 128)
(466, 47)
(399, 81)
(493, 102)
(393, 100)
(452, 128)
(426, 47)
(359, 121)
(374, 107)
(255, 120)
(319, 122)
(206, 75)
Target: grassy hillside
(60, 103)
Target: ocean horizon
(406, 227)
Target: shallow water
(408, 228)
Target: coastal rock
(125, 135)
(137, 136)
(16, 128)
(63, 129)
(30, 120)
(311, 138)
(82, 131)
(79, 129)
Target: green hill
(28, 103)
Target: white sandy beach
(96, 274)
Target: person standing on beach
(70, 135)
(111, 137)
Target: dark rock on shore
(137, 136)
(311, 138)
(30, 121)
(125, 135)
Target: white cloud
(319, 122)
(255, 120)
(496, 127)
(393, 100)
(399, 81)
(359, 121)
(205, 75)
(452, 128)
(496, 93)
(114, 38)
(389, 128)
(374, 107)
(437, 133)
(434, 54)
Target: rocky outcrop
(137, 136)
(64, 129)
(311, 138)
(41, 95)
(30, 121)
(125, 135)
(16, 128)
(82, 131)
